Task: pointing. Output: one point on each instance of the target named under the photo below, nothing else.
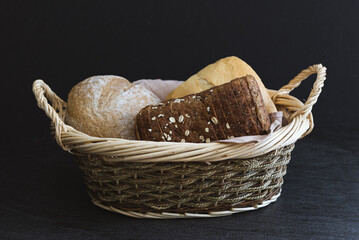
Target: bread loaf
(106, 106)
(218, 73)
(230, 110)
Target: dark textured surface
(43, 197)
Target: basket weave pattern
(186, 187)
(176, 180)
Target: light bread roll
(106, 106)
(220, 72)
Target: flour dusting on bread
(106, 106)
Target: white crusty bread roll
(106, 106)
(220, 72)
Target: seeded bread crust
(253, 124)
(234, 122)
(162, 115)
(257, 98)
(211, 111)
(221, 115)
(230, 110)
(148, 117)
(240, 89)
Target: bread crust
(106, 106)
(223, 117)
(221, 112)
(218, 73)
(252, 123)
(262, 115)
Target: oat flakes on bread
(233, 109)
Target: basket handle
(43, 95)
(320, 70)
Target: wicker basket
(177, 180)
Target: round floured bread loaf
(218, 73)
(106, 106)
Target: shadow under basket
(148, 179)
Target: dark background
(64, 42)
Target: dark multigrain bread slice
(211, 112)
(203, 127)
(140, 122)
(230, 110)
(163, 115)
(195, 126)
(190, 123)
(150, 130)
(257, 98)
(247, 105)
(238, 125)
(139, 131)
(225, 104)
(176, 122)
(220, 112)
(244, 117)
(246, 114)
(154, 119)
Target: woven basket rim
(117, 149)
